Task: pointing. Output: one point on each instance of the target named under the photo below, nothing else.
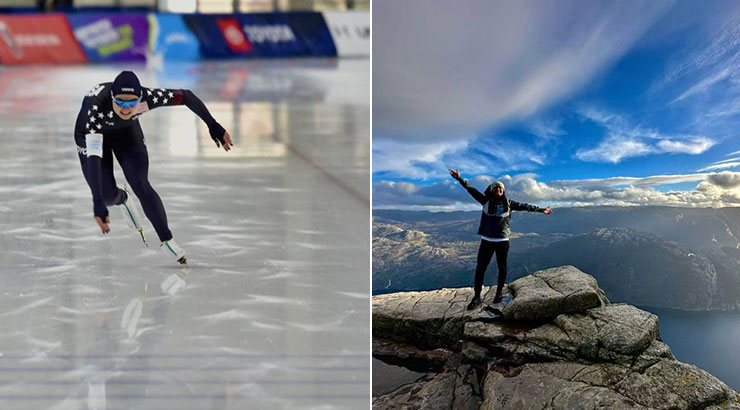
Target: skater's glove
(217, 133)
(99, 209)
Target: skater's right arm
(90, 145)
(477, 195)
(94, 144)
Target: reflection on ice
(270, 312)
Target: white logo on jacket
(499, 211)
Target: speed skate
(131, 216)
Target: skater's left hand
(227, 141)
(547, 211)
(104, 226)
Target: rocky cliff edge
(557, 344)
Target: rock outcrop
(558, 344)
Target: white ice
(273, 310)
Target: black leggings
(486, 251)
(130, 150)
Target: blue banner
(263, 35)
(170, 38)
(288, 34)
(212, 42)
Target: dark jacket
(495, 217)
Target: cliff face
(558, 344)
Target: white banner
(351, 32)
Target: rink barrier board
(262, 35)
(33, 39)
(111, 36)
(107, 37)
(350, 31)
(170, 38)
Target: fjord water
(387, 377)
(707, 340)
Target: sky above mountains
(568, 103)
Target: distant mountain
(678, 257)
(693, 227)
(643, 269)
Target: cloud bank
(712, 190)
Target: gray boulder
(551, 292)
(618, 333)
(453, 389)
(425, 319)
(668, 384)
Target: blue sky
(569, 103)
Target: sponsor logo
(106, 38)
(17, 41)
(81, 150)
(277, 33)
(127, 89)
(233, 35)
(344, 30)
(37, 39)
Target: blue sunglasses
(126, 104)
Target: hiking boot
(474, 303)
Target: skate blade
(143, 237)
(182, 261)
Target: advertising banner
(260, 35)
(34, 39)
(351, 32)
(111, 37)
(170, 38)
(297, 34)
(209, 35)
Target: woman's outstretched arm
(471, 190)
(520, 206)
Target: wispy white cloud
(625, 140)
(707, 82)
(722, 165)
(723, 108)
(511, 70)
(712, 190)
(406, 159)
(614, 149)
(712, 56)
(545, 128)
(650, 181)
(691, 145)
(482, 155)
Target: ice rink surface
(273, 311)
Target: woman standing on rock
(494, 231)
